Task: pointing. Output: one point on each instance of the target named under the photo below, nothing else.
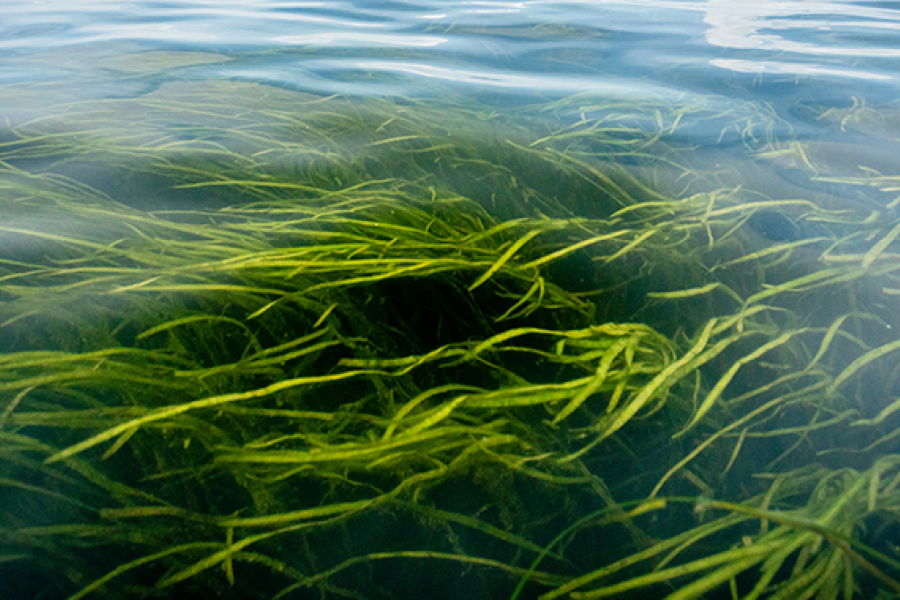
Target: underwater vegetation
(264, 344)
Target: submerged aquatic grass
(318, 343)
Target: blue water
(777, 51)
(783, 56)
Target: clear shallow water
(797, 59)
(166, 167)
(786, 55)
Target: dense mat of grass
(261, 344)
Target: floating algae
(261, 344)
